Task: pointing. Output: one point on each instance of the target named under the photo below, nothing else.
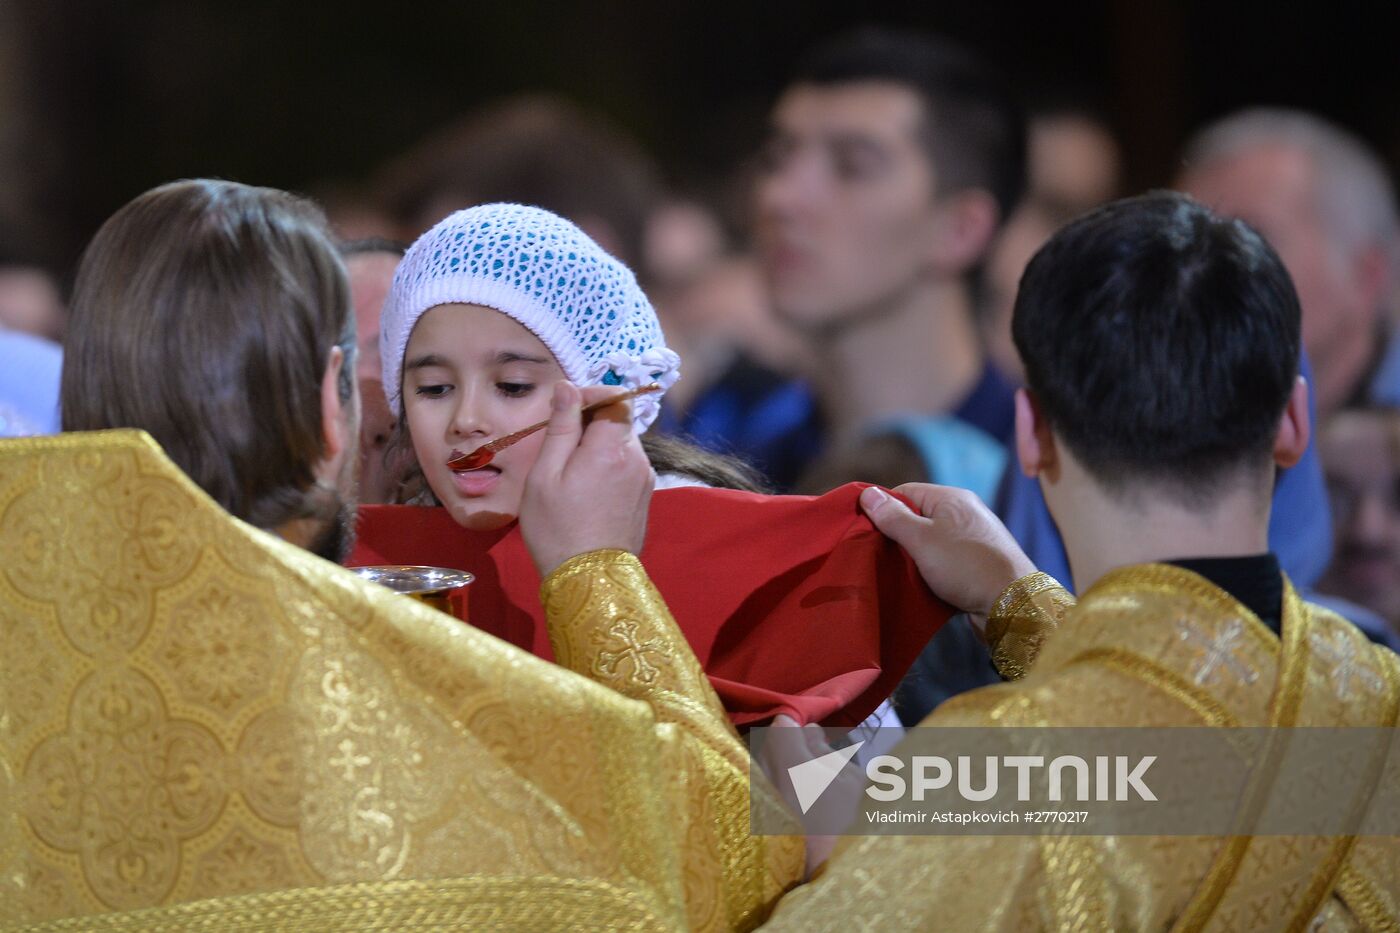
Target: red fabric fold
(793, 604)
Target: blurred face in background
(30, 302)
(1273, 187)
(845, 204)
(370, 275)
(1024, 234)
(1074, 160)
(1361, 455)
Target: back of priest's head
(204, 313)
(1161, 344)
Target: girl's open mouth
(476, 482)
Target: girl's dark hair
(667, 455)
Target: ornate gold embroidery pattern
(1351, 669)
(1025, 614)
(241, 862)
(219, 645)
(1163, 606)
(1154, 675)
(1130, 631)
(473, 902)
(1206, 900)
(1348, 660)
(1237, 660)
(1370, 883)
(633, 657)
(106, 593)
(120, 784)
(1218, 651)
(124, 787)
(1290, 705)
(1172, 584)
(1076, 890)
(30, 663)
(1021, 591)
(222, 712)
(1365, 903)
(634, 646)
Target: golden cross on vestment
(633, 649)
(1341, 652)
(1219, 651)
(348, 759)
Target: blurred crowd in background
(842, 311)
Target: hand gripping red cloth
(793, 604)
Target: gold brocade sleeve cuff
(608, 622)
(1024, 616)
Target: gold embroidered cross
(348, 759)
(1342, 653)
(1219, 652)
(633, 650)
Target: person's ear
(335, 427)
(964, 226)
(1294, 427)
(1035, 444)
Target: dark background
(100, 100)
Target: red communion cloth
(793, 604)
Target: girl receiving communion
(780, 597)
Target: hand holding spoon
(463, 463)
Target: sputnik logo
(811, 778)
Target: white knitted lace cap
(544, 272)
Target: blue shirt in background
(29, 374)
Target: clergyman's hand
(787, 744)
(590, 486)
(963, 551)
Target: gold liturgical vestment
(1151, 645)
(204, 727)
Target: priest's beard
(336, 538)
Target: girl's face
(470, 375)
